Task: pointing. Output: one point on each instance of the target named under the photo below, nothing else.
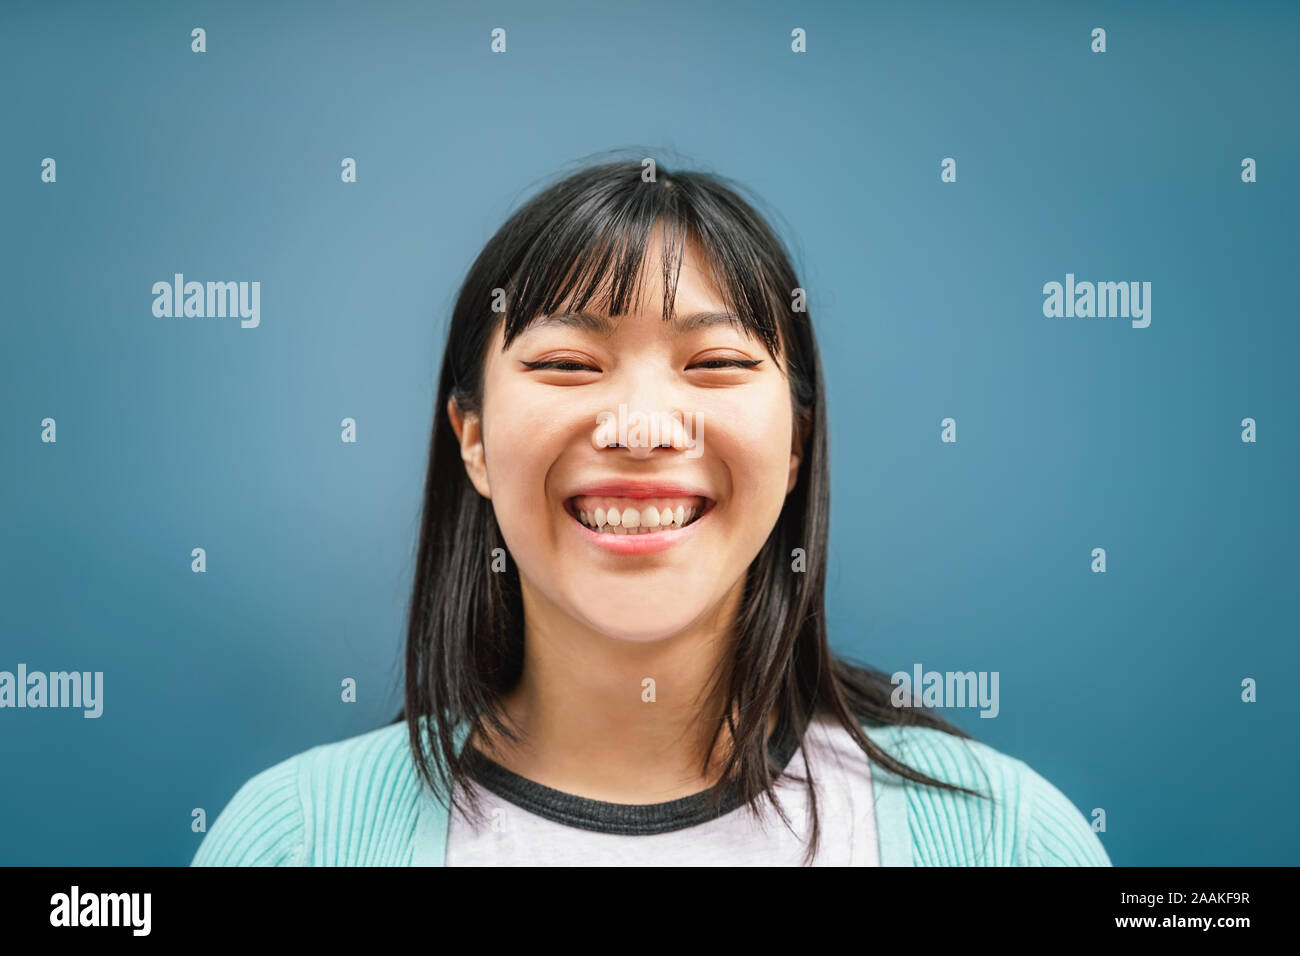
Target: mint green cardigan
(359, 802)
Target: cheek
(519, 431)
(522, 440)
(754, 442)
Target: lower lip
(647, 543)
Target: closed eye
(568, 366)
(725, 363)
(563, 366)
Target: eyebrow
(603, 325)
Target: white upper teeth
(637, 520)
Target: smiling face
(644, 532)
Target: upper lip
(640, 488)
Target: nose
(640, 432)
(641, 427)
(649, 414)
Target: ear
(800, 431)
(469, 432)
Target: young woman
(617, 648)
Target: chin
(640, 626)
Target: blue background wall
(1121, 688)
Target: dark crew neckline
(626, 819)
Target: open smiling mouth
(636, 516)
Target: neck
(591, 724)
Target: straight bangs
(588, 249)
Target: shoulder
(1021, 819)
(335, 804)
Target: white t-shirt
(527, 824)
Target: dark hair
(581, 237)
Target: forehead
(598, 323)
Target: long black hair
(582, 237)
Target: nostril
(646, 447)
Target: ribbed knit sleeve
(1020, 820)
(262, 825)
(354, 802)
(1057, 834)
(362, 799)
(948, 828)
